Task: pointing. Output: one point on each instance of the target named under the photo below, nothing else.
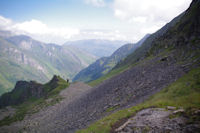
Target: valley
(150, 86)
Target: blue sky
(58, 21)
(53, 12)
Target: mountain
(99, 48)
(163, 74)
(156, 92)
(23, 58)
(139, 53)
(103, 65)
(24, 91)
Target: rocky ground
(45, 119)
(158, 120)
(83, 105)
(7, 112)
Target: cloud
(97, 3)
(161, 10)
(149, 13)
(42, 32)
(39, 30)
(101, 34)
(135, 19)
(4, 23)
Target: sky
(58, 21)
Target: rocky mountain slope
(169, 65)
(23, 58)
(97, 47)
(103, 65)
(25, 91)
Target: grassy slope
(65, 63)
(34, 105)
(185, 92)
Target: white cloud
(32, 27)
(39, 30)
(135, 19)
(150, 14)
(97, 3)
(4, 23)
(42, 32)
(101, 34)
(153, 10)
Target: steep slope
(145, 78)
(103, 65)
(23, 58)
(140, 53)
(99, 48)
(158, 68)
(179, 43)
(174, 109)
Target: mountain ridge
(29, 59)
(103, 65)
(97, 47)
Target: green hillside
(23, 58)
(30, 97)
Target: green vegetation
(39, 63)
(33, 105)
(61, 84)
(183, 93)
(112, 108)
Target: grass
(33, 105)
(111, 108)
(183, 93)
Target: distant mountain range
(99, 48)
(103, 65)
(23, 58)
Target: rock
(164, 59)
(171, 108)
(179, 111)
(197, 112)
(123, 126)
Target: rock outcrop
(25, 90)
